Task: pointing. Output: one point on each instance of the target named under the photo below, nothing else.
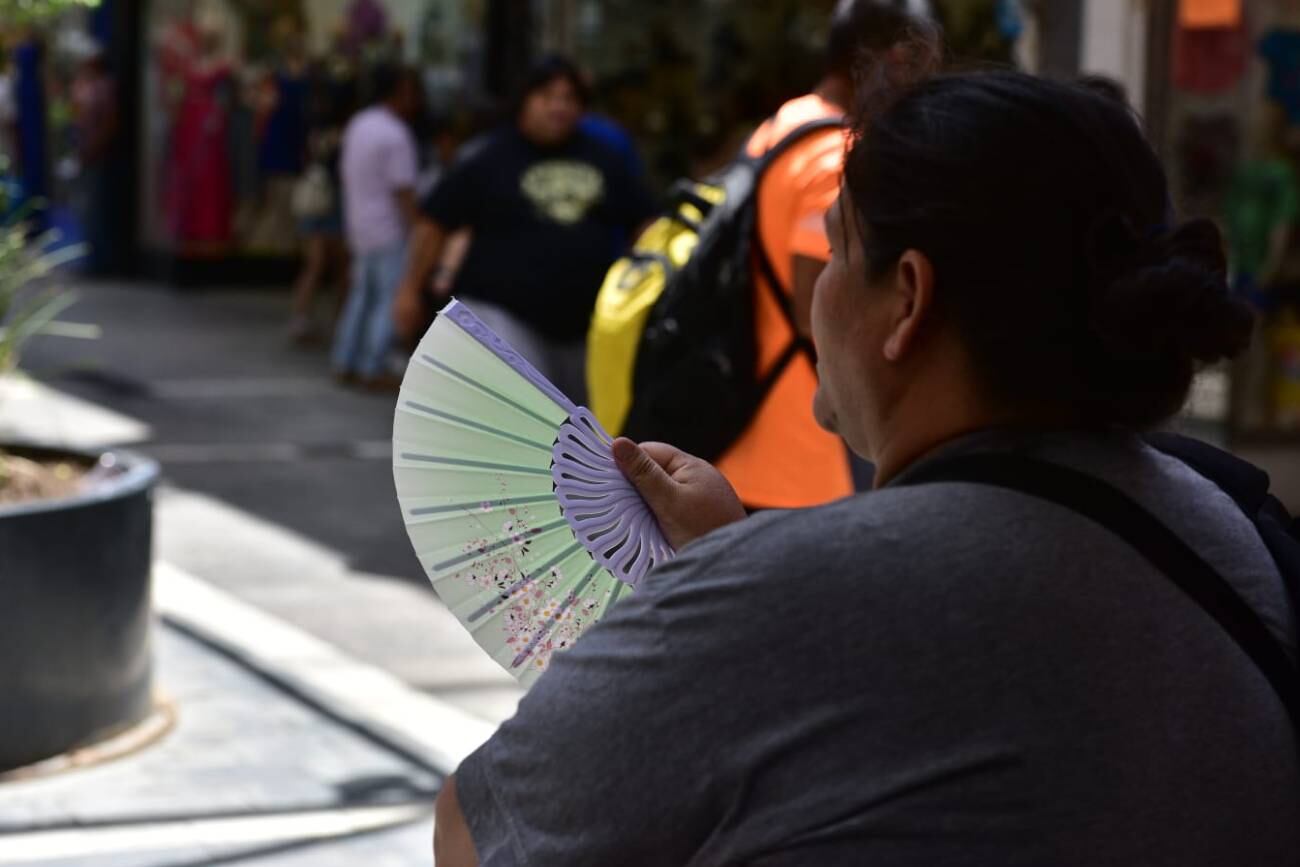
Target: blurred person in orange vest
(783, 459)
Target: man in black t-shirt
(542, 200)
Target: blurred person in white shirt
(378, 169)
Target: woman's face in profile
(846, 342)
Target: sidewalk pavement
(246, 767)
(315, 704)
(268, 747)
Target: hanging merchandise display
(1285, 339)
(1230, 133)
(1260, 210)
(1208, 147)
(1209, 60)
(367, 22)
(242, 99)
(199, 191)
(1259, 218)
(1209, 13)
(1010, 19)
(985, 29)
(1280, 50)
(280, 105)
(29, 90)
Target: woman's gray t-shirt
(943, 674)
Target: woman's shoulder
(944, 532)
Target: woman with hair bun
(941, 671)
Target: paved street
(238, 414)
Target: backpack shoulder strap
(1109, 507)
(793, 137)
(1246, 483)
(1248, 486)
(775, 288)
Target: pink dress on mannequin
(200, 195)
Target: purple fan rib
(604, 510)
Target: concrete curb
(33, 412)
(366, 698)
(151, 842)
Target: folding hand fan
(511, 497)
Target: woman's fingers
(687, 495)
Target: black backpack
(672, 351)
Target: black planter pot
(75, 662)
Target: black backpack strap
(1107, 506)
(775, 289)
(1246, 483)
(1248, 486)
(793, 137)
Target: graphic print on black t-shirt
(546, 224)
(563, 190)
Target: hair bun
(1169, 302)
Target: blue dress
(284, 140)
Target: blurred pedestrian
(318, 207)
(973, 664)
(611, 132)
(282, 137)
(95, 119)
(783, 459)
(318, 199)
(542, 200)
(378, 170)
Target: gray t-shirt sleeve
(604, 762)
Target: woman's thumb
(643, 472)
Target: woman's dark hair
(861, 27)
(546, 70)
(1046, 215)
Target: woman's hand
(687, 495)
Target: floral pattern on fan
(539, 623)
(540, 618)
(601, 506)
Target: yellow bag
(631, 288)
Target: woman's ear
(912, 304)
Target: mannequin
(199, 194)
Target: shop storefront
(58, 124)
(240, 98)
(1226, 116)
(236, 96)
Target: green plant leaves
(28, 306)
(32, 11)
